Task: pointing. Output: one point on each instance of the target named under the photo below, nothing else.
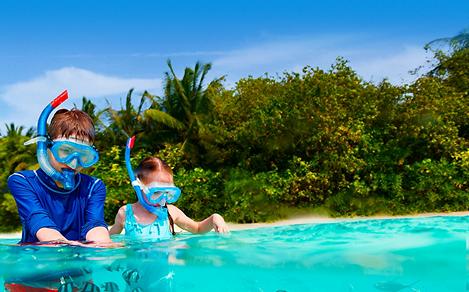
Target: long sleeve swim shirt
(41, 204)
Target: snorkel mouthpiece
(67, 176)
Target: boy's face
(59, 166)
(73, 165)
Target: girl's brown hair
(150, 165)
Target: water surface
(418, 254)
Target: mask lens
(155, 198)
(66, 151)
(87, 156)
(170, 195)
(156, 195)
(161, 193)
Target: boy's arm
(215, 221)
(118, 222)
(98, 234)
(33, 216)
(95, 228)
(49, 234)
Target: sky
(101, 49)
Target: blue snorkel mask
(73, 152)
(68, 151)
(154, 196)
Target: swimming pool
(418, 254)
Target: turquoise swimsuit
(157, 229)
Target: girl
(152, 215)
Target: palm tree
(15, 156)
(90, 108)
(186, 104)
(457, 42)
(127, 121)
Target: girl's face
(157, 177)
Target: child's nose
(73, 164)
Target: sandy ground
(319, 220)
(300, 220)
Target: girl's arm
(118, 222)
(215, 222)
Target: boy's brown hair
(74, 122)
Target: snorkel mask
(73, 152)
(154, 196)
(68, 151)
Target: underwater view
(418, 254)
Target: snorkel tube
(160, 212)
(67, 176)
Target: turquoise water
(424, 254)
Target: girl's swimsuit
(156, 229)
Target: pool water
(419, 254)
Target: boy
(56, 202)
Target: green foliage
(14, 156)
(436, 186)
(254, 197)
(202, 192)
(9, 219)
(111, 169)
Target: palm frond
(164, 118)
(180, 90)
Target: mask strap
(35, 140)
(138, 183)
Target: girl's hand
(219, 224)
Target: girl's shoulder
(123, 210)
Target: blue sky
(101, 49)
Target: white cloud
(394, 66)
(372, 60)
(26, 99)
(280, 51)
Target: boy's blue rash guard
(42, 204)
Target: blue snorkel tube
(160, 212)
(66, 177)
